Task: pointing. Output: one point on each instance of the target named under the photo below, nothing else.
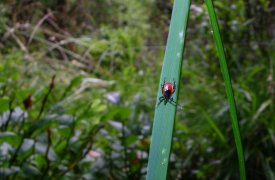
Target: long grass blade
(213, 126)
(165, 114)
(228, 87)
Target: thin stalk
(48, 162)
(163, 125)
(228, 87)
(5, 126)
(46, 98)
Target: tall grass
(165, 114)
(228, 86)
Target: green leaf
(10, 137)
(40, 126)
(165, 114)
(75, 82)
(4, 104)
(98, 106)
(261, 109)
(60, 147)
(30, 170)
(213, 125)
(26, 149)
(130, 140)
(228, 87)
(120, 113)
(49, 121)
(1, 67)
(39, 160)
(22, 94)
(64, 131)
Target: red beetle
(168, 90)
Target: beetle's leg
(160, 100)
(172, 100)
(166, 101)
(175, 103)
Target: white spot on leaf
(181, 37)
(163, 151)
(164, 161)
(181, 34)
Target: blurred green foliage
(93, 120)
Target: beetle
(167, 89)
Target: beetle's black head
(167, 95)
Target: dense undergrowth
(78, 81)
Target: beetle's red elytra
(168, 90)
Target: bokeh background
(79, 79)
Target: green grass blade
(165, 114)
(213, 126)
(228, 87)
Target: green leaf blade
(228, 87)
(163, 126)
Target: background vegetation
(78, 83)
